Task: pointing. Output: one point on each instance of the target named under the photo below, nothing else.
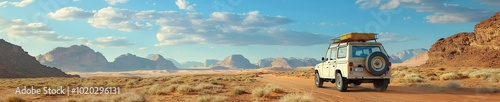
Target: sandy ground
(365, 92)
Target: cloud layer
(107, 41)
(442, 12)
(223, 28)
(21, 3)
(37, 30)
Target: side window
(334, 53)
(328, 54)
(342, 52)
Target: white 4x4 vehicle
(351, 59)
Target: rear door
(341, 62)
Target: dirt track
(365, 92)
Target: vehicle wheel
(341, 82)
(377, 63)
(318, 81)
(355, 84)
(381, 85)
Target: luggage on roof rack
(354, 37)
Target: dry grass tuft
(260, 92)
(296, 98)
(184, 89)
(274, 88)
(238, 90)
(211, 98)
(13, 98)
(449, 76)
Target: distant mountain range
(404, 55)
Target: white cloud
(109, 41)
(442, 12)
(70, 13)
(21, 3)
(387, 37)
(17, 28)
(121, 19)
(184, 5)
(223, 28)
(226, 28)
(142, 48)
(113, 2)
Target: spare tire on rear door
(377, 63)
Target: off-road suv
(354, 58)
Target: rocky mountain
(210, 62)
(75, 58)
(81, 58)
(16, 63)
(265, 62)
(405, 55)
(235, 61)
(129, 61)
(480, 48)
(416, 60)
(187, 64)
(287, 62)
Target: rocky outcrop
(480, 48)
(16, 63)
(235, 62)
(281, 63)
(210, 62)
(129, 62)
(75, 58)
(405, 55)
(162, 63)
(265, 62)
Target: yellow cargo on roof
(355, 36)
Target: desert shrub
(449, 76)
(211, 98)
(453, 85)
(480, 74)
(400, 74)
(238, 90)
(154, 90)
(274, 88)
(170, 88)
(13, 98)
(128, 97)
(409, 78)
(296, 98)
(260, 92)
(486, 90)
(70, 100)
(184, 89)
(208, 88)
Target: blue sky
(195, 30)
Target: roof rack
(354, 37)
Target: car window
(342, 52)
(328, 54)
(334, 53)
(363, 51)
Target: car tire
(318, 81)
(340, 82)
(381, 85)
(377, 63)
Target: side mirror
(323, 58)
